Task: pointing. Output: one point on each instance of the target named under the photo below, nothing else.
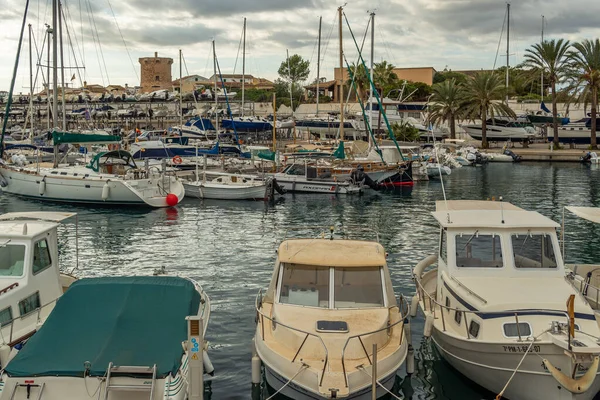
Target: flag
(544, 108)
(73, 78)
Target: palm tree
(585, 62)
(384, 75)
(361, 80)
(482, 94)
(550, 56)
(445, 104)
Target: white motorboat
(139, 337)
(29, 274)
(500, 130)
(224, 186)
(495, 304)
(110, 178)
(330, 303)
(302, 178)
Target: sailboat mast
(181, 96)
(319, 63)
(243, 65)
(215, 95)
(341, 93)
(371, 94)
(542, 77)
(49, 31)
(291, 84)
(62, 68)
(54, 62)
(507, 46)
(30, 88)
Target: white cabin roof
(590, 213)
(332, 253)
(27, 225)
(488, 214)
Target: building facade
(155, 73)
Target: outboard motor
(358, 177)
(480, 158)
(588, 157)
(515, 157)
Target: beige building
(189, 83)
(418, 74)
(234, 81)
(155, 73)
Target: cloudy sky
(457, 34)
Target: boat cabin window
(6, 316)
(296, 169)
(443, 243)
(478, 250)
(511, 329)
(29, 304)
(305, 285)
(533, 251)
(12, 258)
(474, 328)
(357, 288)
(41, 256)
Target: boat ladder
(132, 370)
(28, 386)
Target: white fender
(410, 360)
(4, 355)
(43, 186)
(428, 329)
(414, 305)
(424, 263)
(105, 191)
(255, 370)
(208, 367)
(575, 386)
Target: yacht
(578, 132)
(500, 130)
(328, 314)
(301, 177)
(499, 309)
(29, 274)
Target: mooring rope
(302, 368)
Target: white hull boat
(302, 185)
(495, 308)
(328, 299)
(435, 170)
(497, 133)
(84, 185)
(91, 343)
(227, 187)
(29, 274)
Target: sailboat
(110, 178)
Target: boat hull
(296, 392)
(71, 189)
(222, 192)
(497, 133)
(574, 135)
(302, 186)
(491, 365)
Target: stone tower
(156, 73)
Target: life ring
(177, 160)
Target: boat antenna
(501, 209)
(437, 158)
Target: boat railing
(11, 324)
(583, 286)
(403, 308)
(432, 305)
(262, 316)
(342, 231)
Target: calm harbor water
(229, 247)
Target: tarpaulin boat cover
(131, 321)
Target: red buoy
(172, 200)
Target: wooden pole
(274, 122)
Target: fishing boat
(225, 186)
(29, 274)
(498, 307)
(118, 338)
(111, 177)
(329, 320)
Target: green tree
(550, 56)
(441, 76)
(585, 64)
(384, 75)
(405, 132)
(294, 70)
(483, 92)
(361, 79)
(445, 104)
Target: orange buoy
(177, 160)
(172, 200)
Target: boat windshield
(533, 251)
(12, 259)
(479, 251)
(295, 169)
(356, 287)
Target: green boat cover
(131, 321)
(67, 137)
(267, 155)
(340, 152)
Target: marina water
(229, 247)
